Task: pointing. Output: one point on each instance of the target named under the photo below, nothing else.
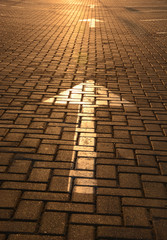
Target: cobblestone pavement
(83, 128)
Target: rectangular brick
(95, 182)
(121, 134)
(29, 107)
(9, 144)
(147, 113)
(106, 138)
(124, 233)
(81, 232)
(143, 202)
(95, 219)
(135, 216)
(6, 213)
(87, 124)
(146, 161)
(9, 198)
(113, 123)
(159, 138)
(53, 130)
(5, 158)
(54, 122)
(8, 116)
(101, 136)
(163, 167)
(87, 141)
(119, 192)
(158, 213)
(114, 161)
(60, 184)
(33, 237)
(45, 196)
(146, 133)
(105, 147)
(108, 205)
(14, 137)
(135, 122)
(160, 226)
(47, 149)
(154, 190)
(128, 128)
(59, 142)
(43, 164)
(11, 176)
(23, 120)
(151, 152)
(65, 155)
(17, 226)
(159, 145)
(154, 178)
(129, 146)
(83, 194)
(57, 115)
(71, 119)
(73, 173)
(28, 210)
(3, 132)
(28, 131)
(29, 156)
(96, 154)
(30, 142)
(125, 153)
(53, 223)
(24, 186)
(133, 169)
(128, 180)
(17, 149)
(105, 171)
(153, 127)
(70, 207)
(39, 175)
(20, 166)
(161, 159)
(140, 140)
(69, 136)
(85, 163)
(42, 136)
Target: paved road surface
(83, 127)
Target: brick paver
(83, 120)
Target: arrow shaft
(92, 23)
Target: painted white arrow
(85, 162)
(92, 22)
